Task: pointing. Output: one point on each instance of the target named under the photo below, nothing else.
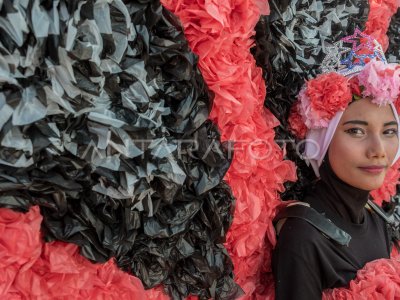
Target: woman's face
(364, 144)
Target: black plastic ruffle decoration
(103, 123)
(393, 51)
(290, 46)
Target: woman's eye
(391, 131)
(355, 131)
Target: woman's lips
(373, 169)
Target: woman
(351, 125)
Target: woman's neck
(345, 200)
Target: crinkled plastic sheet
(103, 124)
(290, 46)
(393, 52)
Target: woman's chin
(369, 183)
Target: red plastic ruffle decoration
(388, 188)
(380, 13)
(20, 245)
(220, 32)
(156, 293)
(377, 280)
(32, 269)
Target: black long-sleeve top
(305, 262)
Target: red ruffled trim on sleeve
(377, 280)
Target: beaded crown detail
(349, 55)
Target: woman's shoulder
(300, 224)
(297, 233)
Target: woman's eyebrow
(390, 123)
(359, 122)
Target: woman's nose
(376, 147)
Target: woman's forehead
(365, 110)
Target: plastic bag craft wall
(106, 149)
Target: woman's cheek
(350, 150)
(391, 149)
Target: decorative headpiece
(349, 73)
(363, 49)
